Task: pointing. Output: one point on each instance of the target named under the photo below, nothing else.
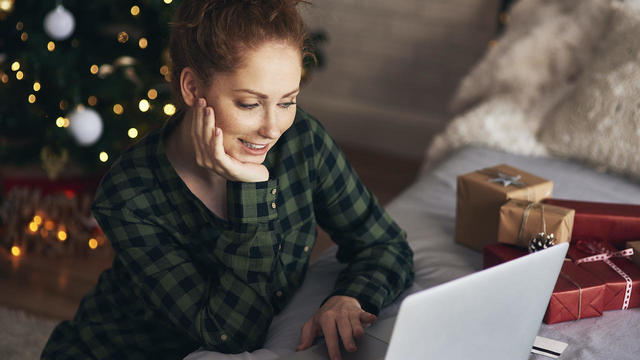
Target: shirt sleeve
(380, 262)
(220, 311)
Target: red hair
(210, 36)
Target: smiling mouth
(253, 146)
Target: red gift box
(616, 223)
(613, 267)
(577, 293)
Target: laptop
(491, 314)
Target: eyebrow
(263, 96)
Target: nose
(269, 127)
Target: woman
(213, 217)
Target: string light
(49, 225)
(60, 122)
(143, 105)
(133, 133)
(168, 1)
(63, 104)
(15, 66)
(143, 43)
(169, 109)
(19, 75)
(152, 94)
(15, 251)
(104, 157)
(51, 46)
(37, 219)
(92, 100)
(19, 26)
(33, 227)
(164, 70)
(66, 123)
(24, 36)
(36, 86)
(4, 78)
(94, 69)
(135, 10)
(93, 243)
(118, 109)
(123, 37)
(32, 98)
(62, 235)
(6, 5)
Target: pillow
(546, 43)
(599, 120)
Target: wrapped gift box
(621, 276)
(482, 192)
(635, 245)
(521, 220)
(577, 293)
(616, 223)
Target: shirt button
(224, 337)
(273, 192)
(278, 293)
(306, 249)
(273, 205)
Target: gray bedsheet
(426, 210)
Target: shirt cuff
(369, 294)
(252, 202)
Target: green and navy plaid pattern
(183, 278)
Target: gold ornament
(53, 163)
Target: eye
(286, 104)
(246, 106)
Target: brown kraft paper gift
(482, 192)
(521, 220)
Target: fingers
(346, 332)
(308, 334)
(356, 326)
(367, 318)
(331, 337)
(196, 126)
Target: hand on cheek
(209, 149)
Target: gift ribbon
(525, 217)
(579, 291)
(602, 254)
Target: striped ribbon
(602, 254)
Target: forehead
(270, 68)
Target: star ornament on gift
(507, 180)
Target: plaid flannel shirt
(183, 278)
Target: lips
(253, 148)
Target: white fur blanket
(540, 65)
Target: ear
(189, 86)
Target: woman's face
(256, 104)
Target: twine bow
(601, 253)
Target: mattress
(426, 210)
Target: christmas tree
(81, 80)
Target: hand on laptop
(339, 316)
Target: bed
(556, 96)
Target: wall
(392, 67)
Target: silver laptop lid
(492, 314)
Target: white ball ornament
(59, 23)
(85, 125)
